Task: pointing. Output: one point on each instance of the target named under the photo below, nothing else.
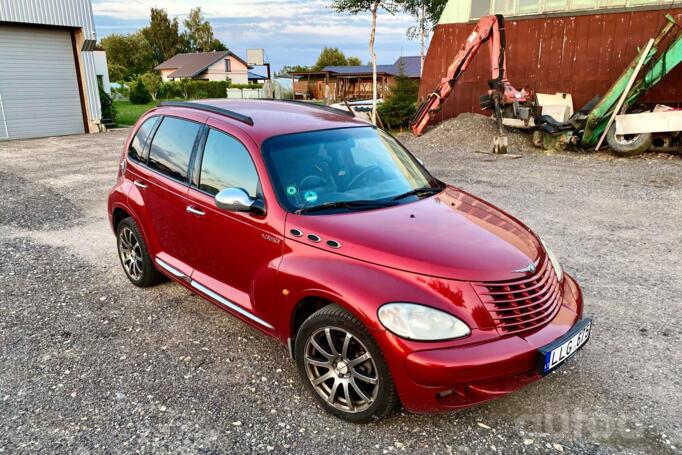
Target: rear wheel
(628, 144)
(343, 366)
(132, 251)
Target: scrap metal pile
(616, 117)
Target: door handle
(139, 184)
(192, 210)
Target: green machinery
(586, 126)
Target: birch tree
(427, 13)
(355, 7)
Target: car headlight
(555, 262)
(419, 322)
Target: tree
(152, 82)
(355, 7)
(288, 69)
(138, 93)
(127, 56)
(427, 13)
(330, 56)
(400, 104)
(354, 61)
(198, 36)
(162, 35)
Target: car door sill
(232, 306)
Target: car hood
(452, 235)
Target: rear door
(162, 181)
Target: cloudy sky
(291, 31)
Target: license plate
(555, 354)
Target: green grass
(128, 113)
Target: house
(338, 83)
(206, 66)
(48, 85)
(579, 47)
(102, 71)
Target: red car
(325, 233)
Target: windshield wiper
(344, 205)
(422, 191)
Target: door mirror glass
(234, 200)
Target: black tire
(148, 275)
(629, 145)
(379, 398)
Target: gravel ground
(88, 363)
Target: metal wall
(582, 55)
(63, 13)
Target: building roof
(192, 64)
(253, 75)
(410, 68)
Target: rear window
(172, 147)
(137, 145)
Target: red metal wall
(581, 55)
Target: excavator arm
(490, 29)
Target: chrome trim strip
(171, 269)
(234, 307)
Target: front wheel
(343, 366)
(628, 144)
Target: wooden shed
(580, 51)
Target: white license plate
(556, 353)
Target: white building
(48, 83)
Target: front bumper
(450, 378)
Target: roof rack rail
(316, 106)
(209, 108)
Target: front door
(232, 248)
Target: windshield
(344, 169)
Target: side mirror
(238, 200)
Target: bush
(151, 82)
(400, 104)
(139, 94)
(107, 105)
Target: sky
(292, 32)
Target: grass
(127, 113)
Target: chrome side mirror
(234, 200)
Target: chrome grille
(525, 304)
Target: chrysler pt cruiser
(387, 285)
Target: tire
(630, 144)
(134, 256)
(367, 385)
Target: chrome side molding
(172, 270)
(232, 306)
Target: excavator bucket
(500, 144)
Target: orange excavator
(501, 95)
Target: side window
(226, 164)
(172, 147)
(136, 149)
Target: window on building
(227, 65)
(172, 147)
(227, 164)
(528, 7)
(480, 8)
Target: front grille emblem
(530, 268)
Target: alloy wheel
(341, 369)
(131, 253)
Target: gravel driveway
(89, 363)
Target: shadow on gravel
(33, 206)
